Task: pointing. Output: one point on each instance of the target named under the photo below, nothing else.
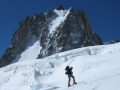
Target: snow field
(94, 68)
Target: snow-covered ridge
(95, 68)
(91, 50)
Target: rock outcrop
(112, 41)
(59, 7)
(72, 32)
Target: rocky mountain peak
(59, 7)
(57, 30)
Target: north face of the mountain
(73, 32)
(57, 30)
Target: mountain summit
(57, 30)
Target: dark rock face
(73, 32)
(26, 30)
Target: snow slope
(94, 68)
(31, 52)
(58, 18)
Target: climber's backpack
(67, 70)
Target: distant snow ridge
(94, 68)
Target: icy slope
(31, 52)
(94, 68)
(58, 18)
